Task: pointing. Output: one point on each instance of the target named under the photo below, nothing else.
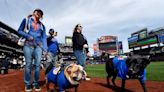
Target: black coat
(78, 41)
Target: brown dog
(65, 78)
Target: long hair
(75, 29)
(30, 15)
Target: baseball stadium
(81, 46)
(11, 76)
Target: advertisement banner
(132, 39)
(132, 45)
(68, 40)
(120, 45)
(161, 38)
(95, 47)
(107, 46)
(148, 41)
(111, 52)
(104, 39)
(143, 34)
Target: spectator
(53, 47)
(34, 45)
(80, 45)
(53, 50)
(14, 63)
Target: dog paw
(127, 76)
(87, 79)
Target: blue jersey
(58, 79)
(120, 65)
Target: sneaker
(87, 79)
(28, 88)
(37, 88)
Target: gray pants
(51, 62)
(52, 57)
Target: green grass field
(155, 71)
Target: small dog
(64, 78)
(132, 67)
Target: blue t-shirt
(52, 45)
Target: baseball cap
(40, 11)
(51, 30)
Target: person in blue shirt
(53, 47)
(36, 42)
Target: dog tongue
(69, 72)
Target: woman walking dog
(34, 44)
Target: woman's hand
(85, 46)
(30, 38)
(45, 53)
(89, 54)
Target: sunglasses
(79, 26)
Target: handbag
(21, 41)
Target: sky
(98, 17)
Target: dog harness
(58, 79)
(121, 67)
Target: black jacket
(78, 41)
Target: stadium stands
(144, 38)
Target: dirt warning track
(13, 82)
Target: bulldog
(65, 78)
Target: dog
(64, 78)
(132, 67)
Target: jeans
(80, 57)
(31, 53)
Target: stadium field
(155, 71)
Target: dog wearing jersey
(68, 77)
(132, 67)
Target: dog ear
(68, 69)
(67, 72)
(84, 73)
(82, 69)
